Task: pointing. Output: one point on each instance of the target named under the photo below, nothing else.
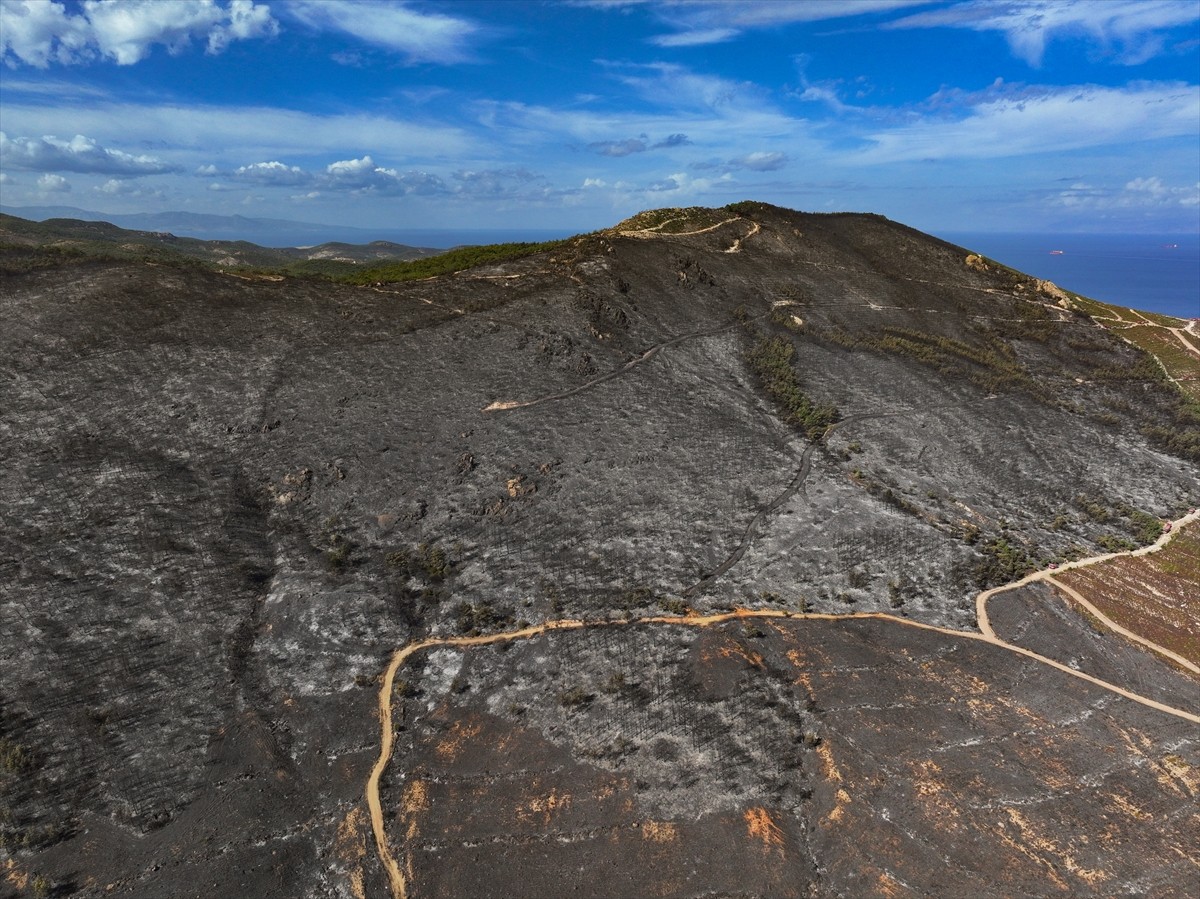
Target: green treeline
(771, 360)
(446, 263)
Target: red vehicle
(1167, 527)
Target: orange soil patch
(1156, 596)
(760, 825)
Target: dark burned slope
(226, 501)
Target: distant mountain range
(105, 238)
(269, 232)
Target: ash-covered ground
(228, 500)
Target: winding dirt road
(396, 876)
(657, 230)
(1048, 575)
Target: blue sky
(1029, 115)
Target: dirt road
(396, 877)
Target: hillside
(25, 244)
(644, 564)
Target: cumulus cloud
(53, 184)
(80, 154)
(416, 35)
(357, 176)
(1137, 27)
(275, 173)
(41, 32)
(363, 177)
(349, 169)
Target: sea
(1154, 272)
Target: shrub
(14, 758)
(574, 697)
(673, 605)
(472, 619)
(1002, 562)
(429, 562)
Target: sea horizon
(1153, 272)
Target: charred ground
(229, 499)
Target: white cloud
(352, 168)
(667, 83)
(500, 183)
(1001, 123)
(418, 36)
(53, 184)
(274, 173)
(760, 162)
(355, 176)
(695, 38)
(1148, 193)
(697, 22)
(116, 188)
(639, 144)
(189, 134)
(1138, 26)
(619, 147)
(681, 184)
(59, 89)
(38, 33)
(80, 154)
(41, 32)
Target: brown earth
(783, 757)
(1156, 595)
